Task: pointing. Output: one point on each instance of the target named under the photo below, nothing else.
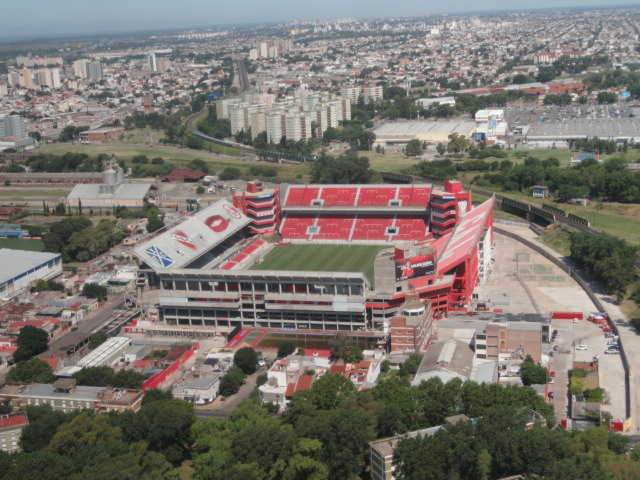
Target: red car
(606, 329)
(552, 373)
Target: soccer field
(20, 244)
(322, 258)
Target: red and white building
(261, 206)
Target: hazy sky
(54, 17)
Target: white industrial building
(21, 268)
(114, 191)
(107, 354)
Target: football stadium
(365, 259)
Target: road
(91, 324)
(232, 402)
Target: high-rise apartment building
(13, 78)
(351, 94)
(372, 94)
(151, 62)
(163, 64)
(80, 68)
(94, 70)
(12, 126)
(26, 80)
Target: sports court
(308, 340)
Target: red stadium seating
(334, 227)
(333, 224)
(295, 226)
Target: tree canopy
(347, 168)
(608, 259)
(31, 341)
(246, 359)
(33, 370)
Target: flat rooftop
(17, 262)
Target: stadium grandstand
(342, 258)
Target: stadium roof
(191, 239)
(461, 241)
(17, 262)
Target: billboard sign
(413, 267)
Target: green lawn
(620, 220)
(19, 244)
(322, 258)
(180, 157)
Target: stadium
(345, 258)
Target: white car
(581, 347)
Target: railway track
(243, 82)
(562, 219)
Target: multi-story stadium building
(343, 258)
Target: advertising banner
(419, 266)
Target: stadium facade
(204, 273)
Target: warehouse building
(430, 133)
(21, 268)
(114, 191)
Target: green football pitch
(322, 258)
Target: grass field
(180, 158)
(322, 258)
(621, 220)
(18, 244)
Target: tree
(43, 423)
(93, 290)
(33, 370)
(410, 365)
(165, 425)
(286, 348)
(103, 376)
(338, 346)
(413, 148)
(246, 358)
(156, 395)
(347, 168)
(155, 220)
(97, 339)
(231, 382)
(200, 190)
(330, 391)
(230, 173)
(355, 355)
(530, 373)
(31, 341)
(344, 435)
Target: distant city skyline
(40, 18)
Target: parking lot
(542, 287)
(611, 373)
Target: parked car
(612, 342)
(552, 380)
(551, 395)
(607, 329)
(613, 351)
(581, 347)
(609, 335)
(552, 373)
